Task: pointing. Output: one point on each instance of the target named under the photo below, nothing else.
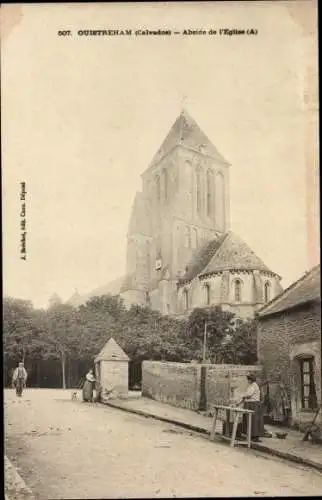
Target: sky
(82, 118)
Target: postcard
(160, 197)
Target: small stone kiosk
(112, 370)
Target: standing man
(19, 379)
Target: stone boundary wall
(180, 384)
(173, 383)
(226, 383)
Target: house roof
(228, 252)
(306, 289)
(186, 132)
(111, 352)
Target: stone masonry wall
(173, 383)
(179, 384)
(226, 383)
(282, 340)
(115, 374)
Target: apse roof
(228, 252)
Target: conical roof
(111, 352)
(186, 132)
(228, 252)
(201, 259)
(234, 253)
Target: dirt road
(68, 449)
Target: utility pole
(203, 374)
(204, 343)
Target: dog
(313, 434)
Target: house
(289, 345)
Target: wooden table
(237, 412)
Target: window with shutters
(308, 392)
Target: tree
(219, 325)
(98, 320)
(61, 335)
(21, 329)
(113, 305)
(241, 347)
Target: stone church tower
(182, 208)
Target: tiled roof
(306, 289)
(228, 252)
(201, 259)
(111, 352)
(186, 132)
(234, 253)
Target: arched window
(267, 291)
(194, 238)
(158, 187)
(207, 294)
(238, 290)
(220, 200)
(210, 181)
(199, 194)
(186, 299)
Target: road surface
(67, 449)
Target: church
(181, 252)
